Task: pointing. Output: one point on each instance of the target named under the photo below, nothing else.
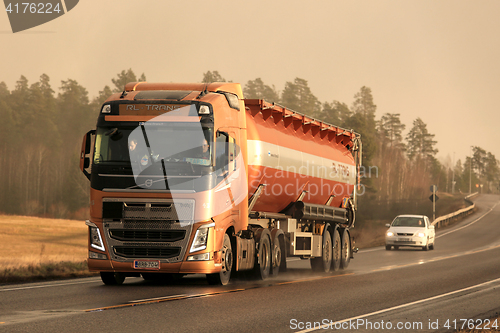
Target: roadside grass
(34, 248)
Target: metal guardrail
(446, 219)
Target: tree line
(41, 133)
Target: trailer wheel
(277, 256)
(346, 250)
(112, 279)
(222, 278)
(324, 263)
(263, 263)
(337, 251)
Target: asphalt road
(387, 291)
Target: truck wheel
(324, 263)
(112, 279)
(162, 277)
(222, 278)
(278, 256)
(337, 251)
(346, 250)
(263, 263)
(388, 247)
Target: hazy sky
(434, 59)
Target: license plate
(404, 239)
(147, 264)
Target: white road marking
(157, 298)
(400, 306)
(58, 284)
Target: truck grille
(147, 235)
(148, 228)
(181, 211)
(147, 252)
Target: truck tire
(264, 261)
(337, 250)
(346, 250)
(278, 255)
(222, 278)
(112, 279)
(324, 264)
(162, 277)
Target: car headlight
(201, 237)
(390, 234)
(420, 234)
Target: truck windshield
(169, 143)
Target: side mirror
(387, 225)
(85, 154)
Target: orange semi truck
(192, 178)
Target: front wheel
(112, 279)
(222, 278)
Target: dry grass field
(33, 248)
(28, 240)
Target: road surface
(388, 291)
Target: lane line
(402, 306)
(183, 297)
(386, 268)
(50, 285)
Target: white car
(410, 230)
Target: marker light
(204, 109)
(106, 108)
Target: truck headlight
(201, 237)
(390, 234)
(95, 236)
(420, 234)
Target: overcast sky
(437, 60)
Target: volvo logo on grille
(148, 183)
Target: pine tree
(210, 77)
(258, 90)
(298, 96)
(420, 141)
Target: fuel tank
(297, 158)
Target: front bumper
(406, 241)
(187, 267)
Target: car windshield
(407, 221)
